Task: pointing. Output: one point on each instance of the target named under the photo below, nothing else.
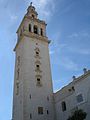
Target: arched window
(29, 27)
(41, 32)
(35, 29)
(63, 106)
(33, 16)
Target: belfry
(33, 93)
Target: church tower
(33, 93)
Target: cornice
(85, 75)
(32, 35)
(36, 20)
(82, 77)
(30, 18)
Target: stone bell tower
(33, 93)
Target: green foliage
(78, 115)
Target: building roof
(69, 89)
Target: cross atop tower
(31, 4)
(31, 11)
(32, 26)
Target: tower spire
(31, 10)
(31, 3)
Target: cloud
(56, 50)
(44, 7)
(69, 64)
(83, 51)
(79, 50)
(79, 34)
(73, 35)
(78, 46)
(13, 17)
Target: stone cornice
(85, 75)
(82, 77)
(29, 18)
(32, 35)
(36, 20)
(36, 36)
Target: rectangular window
(18, 73)
(47, 112)
(30, 116)
(79, 98)
(30, 96)
(37, 67)
(37, 53)
(40, 110)
(38, 81)
(29, 27)
(63, 106)
(17, 88)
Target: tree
(78, 115)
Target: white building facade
(73, 97)
(33, 97)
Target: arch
(63, 106)
(29, 28)
(35, 29)
(33, 16)
(41, 32)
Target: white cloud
(79, 50)
(44, 7)
(83, 51)
(73, 35)
(69, 64)
(79, 34)
(13, 17)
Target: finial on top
(85, 70)
(31, 4)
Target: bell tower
(33, 92)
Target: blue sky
(68, 29)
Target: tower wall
(33, 92)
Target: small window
(40, 110)
(73, 88)
(30, 96)
(63, 106)
(18, 60)
(47, 112)
(47, 98)
(21, 33)
(37, 67)
(29, 27)
(30, 116)
(38, 81)
(37, 53)
(79, 98)
(35, 30)
(33, 16)
(41, 32)
(17, 88)
(18, 73)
